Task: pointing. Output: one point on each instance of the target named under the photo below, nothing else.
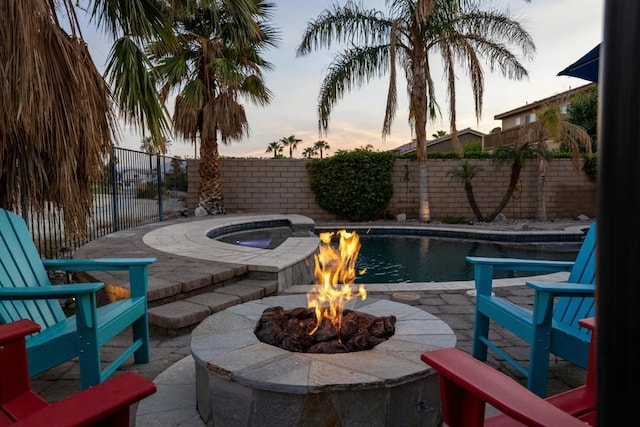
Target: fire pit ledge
(242, 381)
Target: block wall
(282, 186)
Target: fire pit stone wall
(241, 381)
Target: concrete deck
(172, 365)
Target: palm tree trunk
(210, 195)
(425, 210)
(468, 189)
(513, 182)
(418, 100)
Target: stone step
(181, 317)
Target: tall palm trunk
(418, 100)
(210, 196)
(541, 207)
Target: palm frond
(137, 18)
(254, 89)
(128, 72)
(392, 92)
(351, 23)
(227, 116)
(56, 122)
(349, 70)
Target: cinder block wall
(282, 186)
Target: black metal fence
(135, 188)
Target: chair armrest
(108, 402)
(484, 268)
(589, 323)
(137, 267)
(100, 264)
(50, 292)
(84, 294)
(564, 289)
(18, 329)
(521, 264)
(545, 292)
(467, 383)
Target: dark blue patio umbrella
(586, 67)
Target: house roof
(411, 146)
(548, 100)
(465, 131)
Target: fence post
(114, 194)
(159, 180)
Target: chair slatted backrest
(570, 310)
(21, 266)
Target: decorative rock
(583, 218)
(410, 298)
(401, 217)
(200, 211)
(500, 217)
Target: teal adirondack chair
(552, 326)
(27, 293)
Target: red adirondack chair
(106, 404)
(467, 384)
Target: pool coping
(574, 233)
(190, 239)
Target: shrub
(590, 166)
(147, 190)
(454, 219)
(474, 146)
(355, 185)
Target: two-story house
(514, 119)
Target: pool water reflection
(411, 259)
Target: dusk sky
(563, 30)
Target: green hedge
(355, 185)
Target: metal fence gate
(135, 188)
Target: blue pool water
(411, 259)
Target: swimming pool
(417, 256)
(412, 259)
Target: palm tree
(321, 146)
(309, 152)
(74, 102)
(276, 148)
(155, 146)
(465, 172)
(550, 125)
(458, 30)
(218, 59)
(439, 133)
(55, 148)
(516, 155)
(292, 142)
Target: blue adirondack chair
(27, 293)
(552, 326)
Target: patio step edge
(181, 317)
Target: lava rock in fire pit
(291, 330)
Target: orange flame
(335, 272)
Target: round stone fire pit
(241, 381)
